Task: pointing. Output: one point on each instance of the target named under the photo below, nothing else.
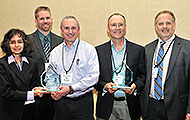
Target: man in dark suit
(44, 23)
(166, 95)
(114, 103)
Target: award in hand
(50, 79)
(120, 78)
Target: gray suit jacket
(38, 51)
(45, 107)
(177, 84)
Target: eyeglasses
(14, 42)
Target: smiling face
(165, 26)
(44, 21)
(16, 45)
(70, 30)
(116, 27)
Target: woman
(18, 78)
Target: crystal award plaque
(121, 78)
(50, 79)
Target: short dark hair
(27, 43)
(41, 8)
(116, 14)
(162, 12)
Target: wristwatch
(71, 91)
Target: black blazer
(38, 51)
(14, 87)
(177, 84)
(135, 60)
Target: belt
(79, 97)
(161, 100)
(119, 98)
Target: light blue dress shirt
(118, 58)
(85, 68)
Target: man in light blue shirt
(77, 63)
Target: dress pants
(79, 108)
(156, 110)
(119, 112)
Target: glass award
(50, 79)
(122, 76)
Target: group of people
(132, 81)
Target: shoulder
(134, 45)
(104, 45)
(34, 34)
(182, 40)
(56, 36)
(151, 43)
(85, 45)
(3, 60)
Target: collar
(11, 59)
(124, 45)
(169, 40)
(73, 45)
(41, 36)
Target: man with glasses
(120, 62)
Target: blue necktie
(46, 49)
(158, 81)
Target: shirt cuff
(104, 91)
(30, 95)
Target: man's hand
(39, 91)
(130, 91)
(64, 90)
(109, 88)
(187, 116)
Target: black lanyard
(122, 62)
(72, 60)
(156, 65)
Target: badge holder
(118, 79)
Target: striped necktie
(158, 81)
(46, 49)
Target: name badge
(66, 78)
(155, 72)
(118, 79)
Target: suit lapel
(38, 45)
(14, 68)
(52, 41)
(149, 59)
(174, 54)
(107, 54)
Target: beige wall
(93, 14)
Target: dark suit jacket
(45, 105)
(177, 84)
(38, 50)
(135, 60)
(14, 87)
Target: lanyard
(122, 62)
(156, 65)
(72, 60)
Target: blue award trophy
(120, 78)
(50, 79)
